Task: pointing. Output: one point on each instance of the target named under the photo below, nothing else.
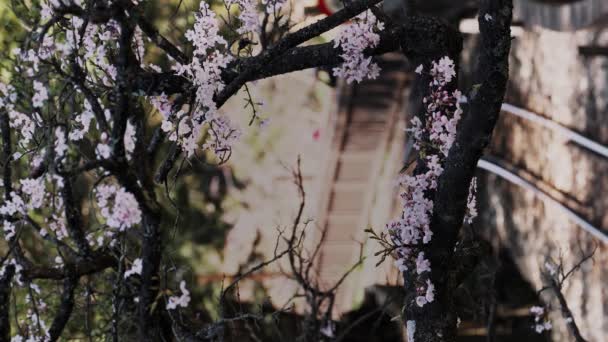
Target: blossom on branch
(136, 268)
(249, 16)
(354, 39)
(183, 300)
(471, 212)
(540, 323)
(210, 58)
(123, 213)
(434, 133)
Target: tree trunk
(436, 321)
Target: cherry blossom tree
(77, 113)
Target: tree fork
(436, 321)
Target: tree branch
(65, 308)
(419, 37)
(475, 130)
(437, 320)
(74, 268)
(73, 218)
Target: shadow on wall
(549, 77)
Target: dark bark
(6, 155)
(73, 218)
(96, 263)
(436, 321)
(290, 41)
(66, 305)
(420, 38)
(5, 302)
(148, 322)
(566, 312)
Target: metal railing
(569, 135)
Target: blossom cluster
(354, 39)
(249, 16)
(21, 122)
(118, 207)
(79, 44)
(540, 323)
(433, 138)
(443, 111)
(205, 72)
(35, 328)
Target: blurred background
(542, 183)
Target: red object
(329, 7)
(316, 134)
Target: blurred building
(351, 141)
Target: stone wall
(550, 77)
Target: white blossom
(540, 325)
(249, 16)
(136, 268)
(183, 300)
(60, 143)
(13, 205)
(35, 189)
(411, 330)
(328, 329)
(422, 264)
(550, 267)
(9, 230)
(421, 301)
(471, 211)
(40, 94)
(434, 137)
(129, 139)
(430, 291)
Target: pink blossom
(443, 71)
(422, 264)
(354, 39)
(124, 213)
(249, 16)
(205, 72)
(433, 135)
